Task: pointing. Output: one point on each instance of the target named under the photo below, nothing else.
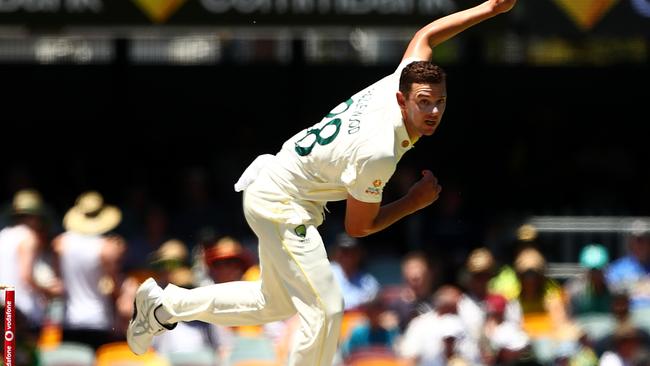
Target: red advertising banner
(10, 327)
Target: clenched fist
(425, 191)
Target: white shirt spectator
(423, 339)
(610, 358)
(473, 313)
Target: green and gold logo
(586, 13)
(159, 10)
(301, 231)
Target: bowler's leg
(301, 262)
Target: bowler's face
(423, 108)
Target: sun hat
(530, 259)
(594, 256)
(480, 260)
(527, 232)
(27, 202)
(227, 248)
(91, 216)
(171, 250)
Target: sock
(162, 316)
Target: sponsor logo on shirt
(375, 190)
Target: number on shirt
(325, 134)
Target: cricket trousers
(295, 278)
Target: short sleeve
(366, 181)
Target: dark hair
(422, 72)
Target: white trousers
(295, 278)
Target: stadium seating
(350, 320)
(204, 357)
(251, 348)
(373, 356)
(119, 354)
(255, 363)
(68, 354)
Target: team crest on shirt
(301, 231)
(377, 183)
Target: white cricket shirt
(354, 149)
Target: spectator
(227, 260)
(374, 332)
(631, 273)
(90, 258)
(453, 331)
(541, 298)
(414, 297)
(170, 257)
(512, 346)
(357, 286)
(22, 242)
(621, 309)
(627, 349)
(622, 320)
(423, 344)
(495, 310)
(589, 293)
(472, 307)
(191, 336)
(161, 264)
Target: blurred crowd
(76, 286)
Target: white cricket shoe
(143, 326)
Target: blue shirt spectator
(632, 272)
(358, 286)
(376, 332)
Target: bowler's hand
(502, 6)
(425, 191)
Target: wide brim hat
(91, 216)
